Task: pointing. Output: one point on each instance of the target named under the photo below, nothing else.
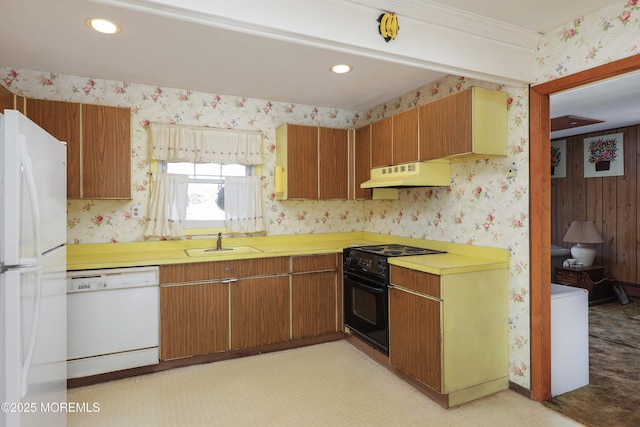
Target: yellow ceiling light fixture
(388, 26)
(103, 26)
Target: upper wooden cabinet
(466, 125)
(7, 100)
(62, 120)
(98, 146)
(333, 163)
(314, 161)
(361, 162)
(106, 152)
(405, 137)
(10, 101)
(394, 139)
(382, 142)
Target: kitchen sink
(202, 252)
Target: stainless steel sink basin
(205, 252)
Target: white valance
(178, 143)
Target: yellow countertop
(442, 264)
(459, 258)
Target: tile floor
(331, 384)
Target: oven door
(366, 310)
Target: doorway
(540, 211)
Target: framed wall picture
(559, 159)
(604, 156)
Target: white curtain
(168, 206)
(243, 210)
(177, 143)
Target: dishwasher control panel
(114, 278)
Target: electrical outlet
(512, 171)
(136, 211)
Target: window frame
(200, 227)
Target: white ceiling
(616, 101)
(198, 47)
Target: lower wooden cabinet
(414, 336)
(259, 311)
(314, 295)
(217, 306)
(194, 319)
(450, 332)
(313, 304)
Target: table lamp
(584, 234)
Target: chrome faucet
(219, 243)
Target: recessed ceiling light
(103, 26)
(341, 69)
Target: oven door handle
(371, 289)
(358, 282)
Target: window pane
(203, 202)
(211, 169)
(206, 182)
(234, 170)
(181, 168)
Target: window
(206, 190)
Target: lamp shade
(582, 232)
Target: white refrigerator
(33, 274)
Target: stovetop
(371, 261)
(396, 250)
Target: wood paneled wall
(611, 202)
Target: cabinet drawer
(417, 281)
(205, 271)
(567, 276)
(307, 263)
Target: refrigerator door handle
(35, 319)
(27, 167)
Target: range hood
(419, 174)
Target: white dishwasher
(112, 320)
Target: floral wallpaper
(486, 204)
(589, 41)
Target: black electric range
(366, 296)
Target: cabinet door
(259, 311)
(362, 162)
(194, 319)
(415, 336)
(405, 137)
(445, 126)
(333, 163)
(6, 99)
(302, 162)
(382, 142)
(313, 304)
(62, 120)
(106, 152)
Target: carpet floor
(612, 397)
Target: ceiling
(615, 101)
(161, 44)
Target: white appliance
(569, 338)
(33, 269)
(113, 320)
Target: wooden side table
(590, 278)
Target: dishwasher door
(112, 320)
